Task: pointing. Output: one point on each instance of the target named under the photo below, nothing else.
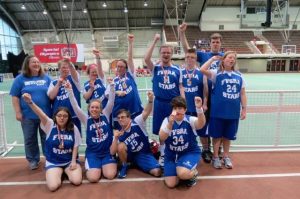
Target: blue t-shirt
(98, 93)
(62, 97)
(203, 57)
(192, 81)
(166, 81)
(226, 95)
(37, 87)
(183, 138)
(131, 101)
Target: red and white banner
(52, 53)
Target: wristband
(30, 102)
(150, 102)
(199, 110)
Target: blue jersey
(203, 57)
(98, 142)
(166, 82)
(192, 81)
(37, 87)
(53, 153)
(62, 98)
(183, 137)
(136, 139)
(131, 101)
(98, 93)
(226, 94)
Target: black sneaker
(193, 181)
(206, 156)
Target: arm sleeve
(47, 127)
(77, 137)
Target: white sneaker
(227, 163)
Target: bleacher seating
(232, 40)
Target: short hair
(89, 68)
(124, 111)
(166, 46)
(60, 62)
(178, 102)
(69, 124)
(25, 67)
(191, 50)
(216, 36)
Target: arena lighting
(45, 12)
(84, 10)
(125, 10)
(145, 3)
(23, 7)
(104, 5)
(64, 6)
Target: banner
(52, 53)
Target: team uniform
(131, 101)
(166, 81)
(37, 87)
(225, 103)
(138, 146)
(192, 81)
(55, 155)
(98, 93)
(99, 135)
(181, 146)
(62, 98)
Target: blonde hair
(166, 46)
(234, 67)
(25, 67)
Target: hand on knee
(156, 172)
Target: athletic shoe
(206, 156)
(193, 181)
(33, 165)
(123, 171)
(161, 161)
(227, 163)
(217, 163)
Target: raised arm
(80, 114)
(72, 68)
(17, 108)
(97, 54)
(42, 116)
(148, 109)
(130, 63)
(149, 52)
(200, 122)
(205, 67)
(53, 90)
(111, 99)
(183, 40)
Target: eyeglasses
(62, 116)
(122, 117)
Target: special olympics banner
(51, 53)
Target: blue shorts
(92, 161)
(50, 165)
(188, 160)
(200, 132)
(145, 161)
(226, 128)
(161, 110)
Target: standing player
(134, 143)
(94, 88)
(127, 96)
(182, 153)
(167, 84)
(195, 84)
(227, 98)
(202, 57)
(58, 93)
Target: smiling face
(92, 72)
(123, 119)
(121, 67)
(95, 108)
(34, 66)
(64, 69)
(166, 54)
